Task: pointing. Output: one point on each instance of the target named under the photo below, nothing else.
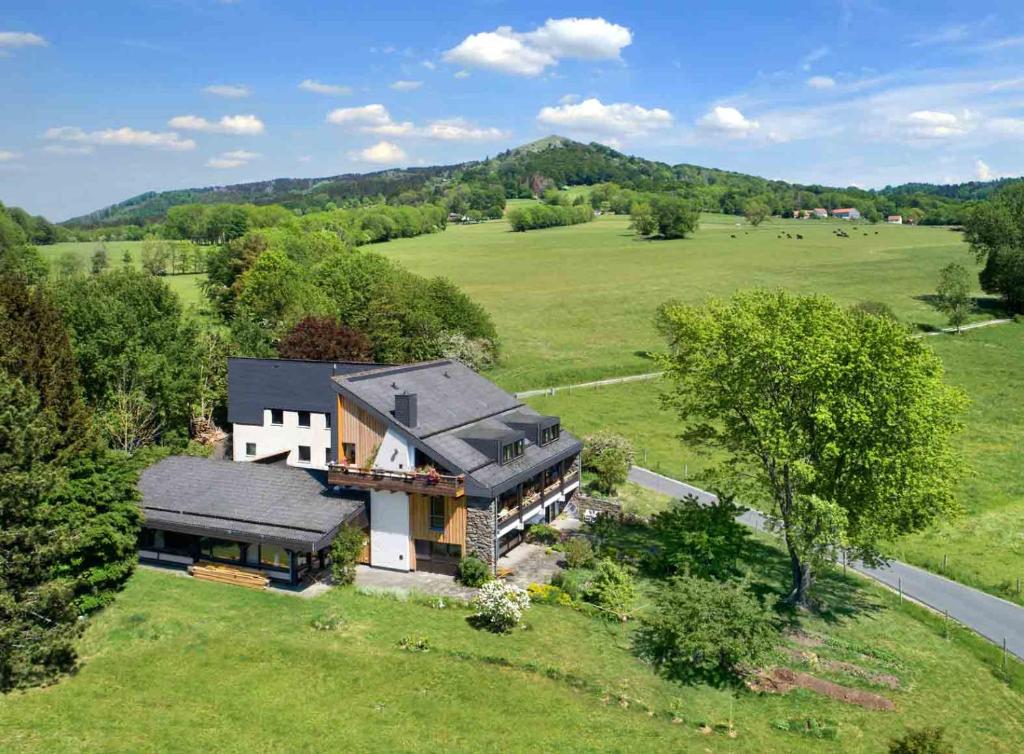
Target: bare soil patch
(784, 680)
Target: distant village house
(846, 213)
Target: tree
(707, 630)
(17, 256)
(128, 419)
(954, 294)
(345, 551)
(676, 217)
(126, 259)
(841, 421)
(99, 259)
(756, 211)
(995, 231)
(69, 264)
(612, 589)
(608, 457)
(38, 623)
(921, 741)
(324, 339)
(699, 540)
(155, 254)
(642, 219)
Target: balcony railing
(530, 500)
(396, 481)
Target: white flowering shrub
(499, 605)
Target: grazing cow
(799, 237)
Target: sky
(106, 100)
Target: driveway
(994, 618)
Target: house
(894, 219)
(434, 461)
(820, 212)
(846, 213)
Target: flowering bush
(499, 605)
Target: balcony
(397, 481)
(531, 500)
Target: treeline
(31, 228)
(536, 216)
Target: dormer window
(511, 451)
(549, 434)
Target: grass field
(576, 303)
(186, 286)
(177, 665)
(984, 548)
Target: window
(327, 421)
(442, 550)
(436, 513)
(250, 449)
(220, 549)
(511, 451)
(272, 556)
(549, 434)
(303, 418)
(276, 417)
(327, 456)
(304, 454)
(349, 449)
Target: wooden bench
(225, 574)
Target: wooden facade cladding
(359, 427)
(454, 532)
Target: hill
(554, 161)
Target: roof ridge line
(395, 368)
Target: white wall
(395, 453)
(389, 530)
(271, 439)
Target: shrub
(575, 582)
(345, 553)
(500, 605)
(612, 589)
(328, 622)
(706, 630)
(414, 644)
(543, 533)
(921, 741)
(548, 594)
(875, 309)
(473, 571)
(579, 553)
(699, 540)
(608, 457)
(548, 216)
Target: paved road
(995, 619)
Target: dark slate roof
(294, 384)
(245, 502)
(454, 403)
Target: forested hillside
(551, 163)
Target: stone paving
(422, 582)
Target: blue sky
(105, 100)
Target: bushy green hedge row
(547, 216)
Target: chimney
(405, 408)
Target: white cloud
(983, 172)
(821, 82)
(14, 40)
(1012, 127)
(127, 137)
(728, 121)
(531, 53)
(932, 124)
(63, 149)
(568, 99)
(7, 156)
(462, 74)
(381, 153)
(406, 86)
(428, 64)
(318, 87)
(236, 159)
(591, 116)
(813, 57)
(246, 125)
(231, 91)
(375, 119)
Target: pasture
(177, 665)
(577, 303)
(188, 287)
(983, 548)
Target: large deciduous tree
(756, 211)
(995, 231)
(840, 422)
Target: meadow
(984, 547)
(577, 303)
(177, 665)
(188, 287)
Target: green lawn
(984, 548)
(576, 303)
(178, 665)
(188, 287)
